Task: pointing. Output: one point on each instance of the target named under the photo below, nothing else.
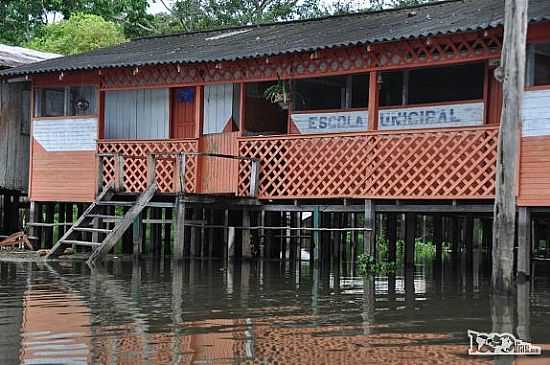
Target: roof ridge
(298, 21)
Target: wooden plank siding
(534, 167)
(63, 176)
(14, 135)
(218, 175)
(534, 180)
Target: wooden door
(183, 101)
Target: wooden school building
(368, 120)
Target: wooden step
(82, 243)
(116, 204)
(93, 230)
(104, 216)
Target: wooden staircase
(97, 222)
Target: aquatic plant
(367, 264)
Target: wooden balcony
(454, 163)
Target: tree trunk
(512, 74)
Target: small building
(15, 126)
(392, 112)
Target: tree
(20, 20)
(192, 15)
(80, 33)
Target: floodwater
(202, 312)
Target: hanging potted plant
(278, 94)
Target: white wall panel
(137, 114)
(218, 107)
(536, 113)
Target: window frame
(530, 68)
(36, 99)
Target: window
(432, 85)
(65, 101)
(221, 108)
(263, 117)
(335, 92)
(541, 60)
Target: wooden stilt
(195, 234)
(354, 240)
(469, 237)
(226, 234)
(137, 236)
(524, 242)
(168, 213)
(410, 239)
(392, 237)
(156, 240)
(33, 218)
(50, 211)
(370, 229)
(316, 242)
(512, 73)
(264, 245)
(488, 232)
(438, 237)
(211, 232)
(246, 242)
(179, 241)
(457, 240)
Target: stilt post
(410, 239)
(512, 74)
(524, 242)
(246, 242)
(180, 228)
(137, 236)
(370, 232)
(438, 237)
(316, 242)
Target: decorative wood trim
(433, 51)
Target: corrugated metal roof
(11, 56)
(295, 36)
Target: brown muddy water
(202, 312)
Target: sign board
(440, 116)
(64, 135)
(536, 113)
(331, 122)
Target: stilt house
(391, 112)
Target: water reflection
(201, 312)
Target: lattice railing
(433, 164)
(135, 163)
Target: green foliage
(367, 265)
(22, 20)
(81, 33)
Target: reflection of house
(55, 333)
(15, 122)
